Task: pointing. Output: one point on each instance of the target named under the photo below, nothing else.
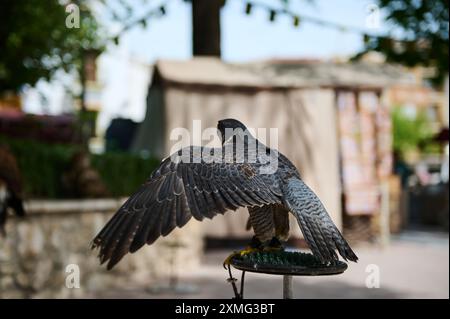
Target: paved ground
(414, 265)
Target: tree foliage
(411, 132)
(423, 27)
(35, 41)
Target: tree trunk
(206, 27)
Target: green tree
(35, 41)
(411, 132)
(423, 28)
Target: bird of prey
(202, 182)
(10, 187)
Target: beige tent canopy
(298, 99)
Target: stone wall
(38, 253)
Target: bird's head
(228, 127)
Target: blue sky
(124, 69)
(246, 38)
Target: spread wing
(177, 191)
(320, 232)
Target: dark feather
(177, 191)
(319, 230)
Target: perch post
(285, 263)
(287, 287)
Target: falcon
(10, 186)
(201, 182)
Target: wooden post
(287, 287)
(385, 215)
(206, 27)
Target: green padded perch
(286, 263)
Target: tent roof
(282, 74)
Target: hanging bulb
(116, 40)
(143, 22)
(162, 10)
(366, 38)
(272, 16)
(248, 8)
(296, 21)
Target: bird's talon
(240, 253)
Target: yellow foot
(242, 252)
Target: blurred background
(90, 91)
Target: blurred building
(331, 118)
(425, 193)
(418, 96)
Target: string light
(158, 12)
(296, 19)
(248, 8)
(366, 38)
(272, 15)
(162, 10)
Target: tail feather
(319, 231)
